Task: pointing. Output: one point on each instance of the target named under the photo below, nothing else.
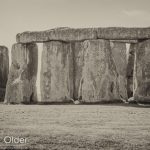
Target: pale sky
(33, 15)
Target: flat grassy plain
(76, 127)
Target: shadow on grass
(104, 103)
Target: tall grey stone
(78, 54)
(130, 68)
(21, 85)
(57, 72)
(142, 72)
(99, 77)
(120, 58)
(4, 70)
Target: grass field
(73, 127)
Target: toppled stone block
(21, 85)
(59, 34)
(142, 72)
(121, 33)
(120, 58)
(57, 72)
(99, 78)
(4, 70)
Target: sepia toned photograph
(74, 74)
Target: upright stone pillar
(78, 53)
(21, 85)
(57, 72)
(99, 78)
(4, 69)
(142, 72)
(130, 68)
(120, 58)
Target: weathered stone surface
(99, 78)
(78, 54)
(130, 68)
(57, 72)
(120, 59)
(59, 34)
(21, 86)
(81, 34)
(4, 69)
(125, 41)
(121, 33)
(142, 72)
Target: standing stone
(57, 72)
(4, 69)
(78, 53)
(120, 59)
(142, 72)
(21, 86)
(99, 79)
(130, 68)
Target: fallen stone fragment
(57, 72)
(99, 80)
(21, 86)
(120, 58)
(131, 100)
(4, 70)
(142, 72)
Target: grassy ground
(73, 127)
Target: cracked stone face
(130, 69)
(81, 34)
(142, 72)
(57, 72)
(4, 69)
(79, 64)
(120, 59)
(23, 71)
(99, 78)
(78, 53)
(57, 34)
(79, 70)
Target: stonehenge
(4, 69)
(86, 65)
